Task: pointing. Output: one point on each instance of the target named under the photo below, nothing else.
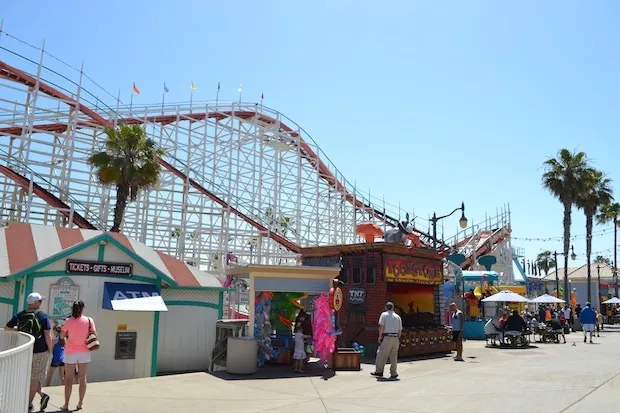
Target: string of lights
(598, 233)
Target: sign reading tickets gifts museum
(405, 270)
(98, 268)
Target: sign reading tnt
(357, 296)
(402, 270)
(88, 267)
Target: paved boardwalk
(552, 378)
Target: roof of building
(581, 273)
(24, 245)
(383, 247)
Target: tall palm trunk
(589, 223)
(567, 222)
(119, 208)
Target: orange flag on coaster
(135, 89)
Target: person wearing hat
(36, 323)
(390, 327)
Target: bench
(517, 339)
(495, 338)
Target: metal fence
(15, 362)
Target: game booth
(470, 289)
(280, 296)
(376, 272)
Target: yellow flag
(192, 87)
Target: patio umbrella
(505, 296)
(614, 300)
(546, 299)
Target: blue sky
(428, 105)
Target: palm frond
(130, 161)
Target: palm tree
(610, 213)
(602, 260)
(597, 192)
(564, 177)
(545, 261)
(130, 162)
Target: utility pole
(557, 279)
(598, 274)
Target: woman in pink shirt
(76, 329)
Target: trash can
(241, 355)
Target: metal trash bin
(241, 355)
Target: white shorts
(588, 327)
(77, 358)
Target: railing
(223, 330)
(23, 169)
(15, 363)
(500, 220)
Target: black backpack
(29, 323)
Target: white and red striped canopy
(24, 245)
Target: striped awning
(24, 245)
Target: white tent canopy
(505, 296)
(546, 299)
(614, 300)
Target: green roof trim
(83, 245)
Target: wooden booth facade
(374, 273)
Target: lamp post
(573, 257)
(435, 218)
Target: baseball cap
(34, 297)
(389, 305)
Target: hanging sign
(62, 296)
(335, 298)
(93, 267)
(404, 270)
(357, 296)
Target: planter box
(347, 359)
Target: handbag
(91, 341)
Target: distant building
(578, 281)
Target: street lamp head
(463, 220)
(573, 256)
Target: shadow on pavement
(267, 372)
(371, 360)
(509, 347)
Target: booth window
(371, 275)
(357, 276)
(125, 345)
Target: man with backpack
(36, 323)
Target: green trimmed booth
(154, 314)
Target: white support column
(299, 189)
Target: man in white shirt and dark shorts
(390, 327)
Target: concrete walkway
(552, 378)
